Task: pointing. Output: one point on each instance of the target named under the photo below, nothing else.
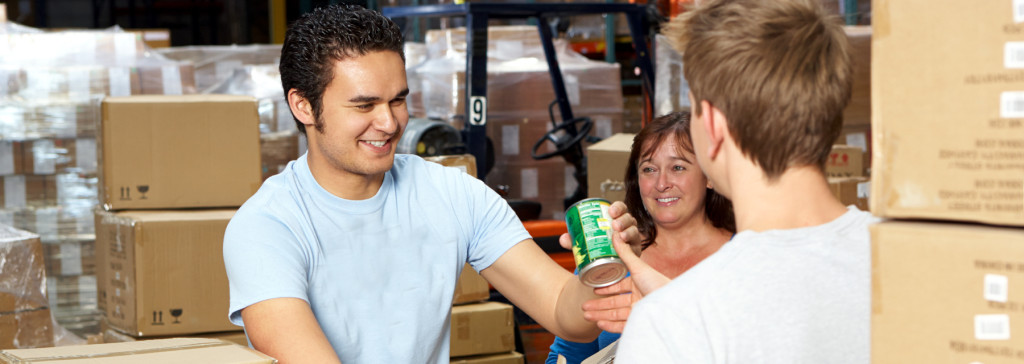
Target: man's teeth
(376, 143)
(670, 199)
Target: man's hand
(611, 312)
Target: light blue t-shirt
(379, 273)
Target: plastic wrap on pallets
(25, 320)
(213, 64)
(264, 83)
(415, 55)
(671, 91)
(521, 85)
(276, 150)
(69, 190)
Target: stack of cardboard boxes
(50, 84)
(482, 332)
(948, 269)
(25, 320)
(173, 170)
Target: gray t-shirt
(779, 296)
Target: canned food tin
(590, 227)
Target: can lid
(603, 272)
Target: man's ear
(715, 126)
(300, 107)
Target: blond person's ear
(714, 126)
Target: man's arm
(547, 292)
(286, 329)
(544, 290)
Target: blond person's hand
(610, 313)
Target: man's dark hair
(324, 36)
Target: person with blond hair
(768, 83)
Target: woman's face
(672, 185)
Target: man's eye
(365, 107)
(397, 102)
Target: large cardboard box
(163, 272)
(482, 328)
(113, 336)
(161, 152)
(606, 167)
(471, 287)
(947, 293)
(167, 351)
(24, 308)
(464, 162)
(505, 358)
(948, 112)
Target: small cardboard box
(505, 358)
(606, 167)
(845, 161)
(24, 308)
(947, 293)
(464, 162)
(162, 152)
(948, 112)
(163, 271)
(482, 328)
(851, 191)
(167, 351)
(472, 287)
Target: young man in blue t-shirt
(352, 253)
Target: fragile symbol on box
(142, 190)
(126, 193)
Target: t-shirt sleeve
(495, 228)
(263, 259)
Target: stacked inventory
(249, 70)
(50, 84)
(948, 145)
(24, 309)
(173, 170)
(520, 97)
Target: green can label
(589, 225)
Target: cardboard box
(276, 150)
(24, 308)
(947, 293)
(947, 112)
(482, 328)
(160, 152)
(471, 287)
(851, 190)
(505, 358)
(845, 161)
(178, 350)
(113, 336)
(163, 271)
(547, 182)
(606, 167)
(464, 162)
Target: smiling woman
(681, 218)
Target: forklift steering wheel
(563, 144)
